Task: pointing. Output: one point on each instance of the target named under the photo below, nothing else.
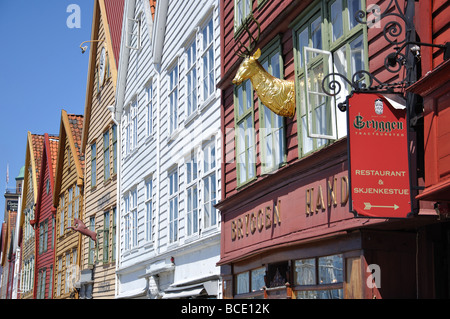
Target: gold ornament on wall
(276, 94)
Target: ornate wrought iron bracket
(406, 51)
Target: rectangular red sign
(378, 157)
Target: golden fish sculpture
(278, 95)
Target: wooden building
(68, 200)
(169, 109)
(287, 229)
(99, 143)
(33, 159)
(45, 221)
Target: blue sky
(42, 71)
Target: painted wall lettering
(261, 219)
(315, 201)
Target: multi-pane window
(67, 273)
(69, 207)
(192, 194)
(209, 185)
(91, 249)
(242, 9)
(43, 237)
(173, 205)
(106, 226)
(113, 246)
(59, 277)
(319, 278)
(328, 40)
(130, 214)
(250, 281)
(114, 147)
(50, 286)
(245, 133)
(173, 100)
(191, 77)
(76, 209)
(208, 59)
(93, 165)
(271, 125)
(131, 126)
(148, 209)
(106, 157)
(61, 215)
(149, 109)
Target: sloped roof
(70, 129)
(114, 13)
(38, 146)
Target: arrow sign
(368, 206)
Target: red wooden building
(45, 221)
(287, 229)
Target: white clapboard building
(168, 111)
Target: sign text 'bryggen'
(260, 219)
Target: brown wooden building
(287, 229)
(68, 200)
(100, 144)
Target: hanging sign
(378, 157)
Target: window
(47, 186)
(67, 273)
(192, 194)
(328, 40)
(91, 249)
(209, 185)
(61, 215)
(208, 59)
(173, 206)
(149, 106)
(242, 9)
(69, 208)
(133, 208)
(130, 219)
(58, 284)
(245, 135)
(148, 210)
(134, 127)
(43, 237)
(273, 145)
(76, 205)
(113, 246)
(106, 157)
(106, 226)
(50, 286)
(319, 278)
(131, 127)
(114, 147)
(250, 281)
(134, 33)
(93, 165)
(173, 100)
(191, 77)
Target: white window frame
(149, 209)
(239, 17)
(149, 109)
(173, 189)
(319, 92)
(133, 29)
(192, 195)
(208, 69)
(192, 78)
(173, 81)
(210, 178)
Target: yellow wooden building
(68, 201)
(99, 144)
(33, 156)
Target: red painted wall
(44, 207)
